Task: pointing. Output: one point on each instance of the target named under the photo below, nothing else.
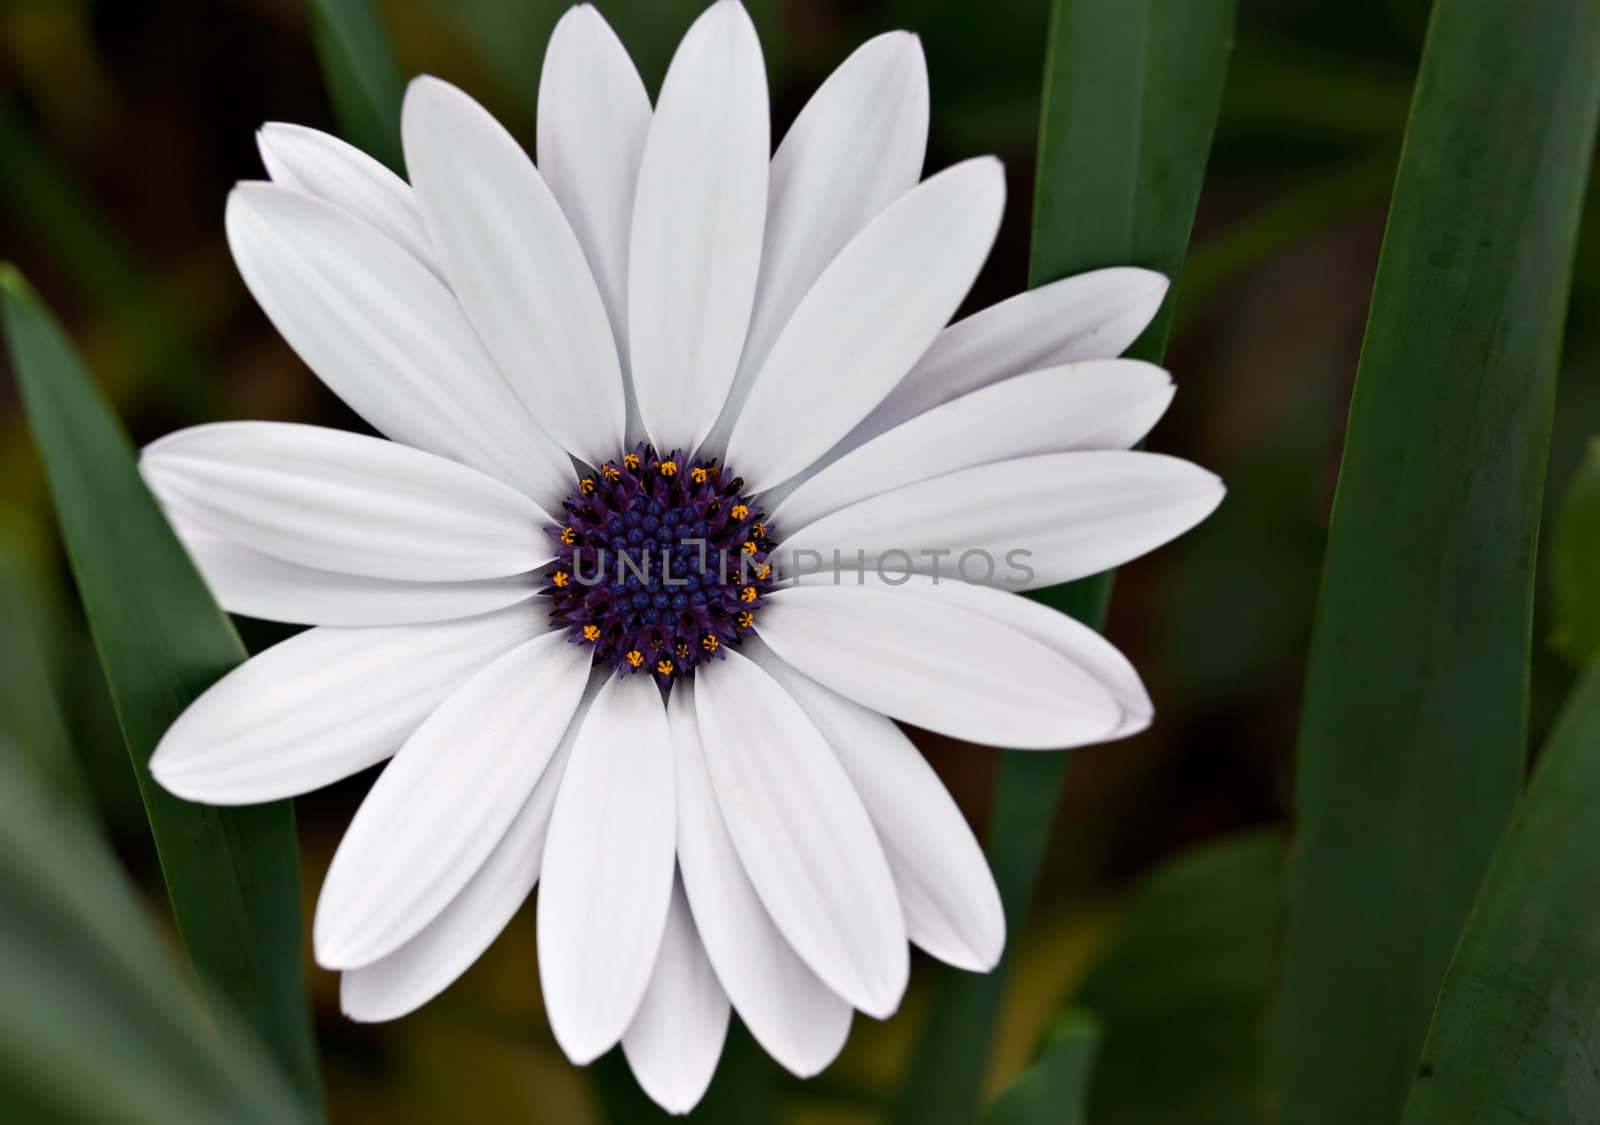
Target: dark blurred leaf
(1412, 740)
(30, 713)
(1055, 1089)
(233, 873)
(1577, 563)
(1518, 1020)
(363, 80)
(1131, 92)
(95, 1026)
(1182, 993)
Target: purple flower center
(660, 564)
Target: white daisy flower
(632, 392)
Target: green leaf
(95, 1026)
(363, 80)
(1131, 93)
(1518, 1020)
(1055, 1089)
(30, 713)
(1183, 990)
(1413, 732)
(233, 873)
(1577, 563)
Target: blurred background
(122, 127)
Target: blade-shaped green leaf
(233, 874)
(30, 713)
(1055, 1089)
(1131, 92)
(1514, 1034)
(95, 1026)
(1182, 992)
(1577, 563)
(1412, 738)
(363, 80)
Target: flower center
(660, 563)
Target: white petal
(516, 267)
(1094, 315)
(325, 704)
(1023, 524)
(449, 795)
(1091, 653)
(676, 1037)
(607, 873)
(796, 1018)
(942, 667)
(448, 946)
(255, 585)
(322, 165)
(856, 147)
(346, 502)
(874, 310)
(594, 115)
(697, 225)
(387, 336)
(1100, 404)
(802, 834)
(951, 903)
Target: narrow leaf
(1577, 563)
(1131, 93)
(1516, 1026)
(363, 80)
(233, 874)
(30, 712)
(1182, 993)
(95, 1027)
(1411, 742)
(1055, 1089)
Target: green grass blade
(363, 81)
(95, 1024)
(1182, 992)
(1412, 738)
(1131, 94)
(233, 874)
(1577, 563)
(1055, 1089)
(30, 712)
(1514, 1033)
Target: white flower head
(690, 493)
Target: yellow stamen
(749, 546)
(709, 643)
(682, 649)
(560, 578)
(631, 460)
(664, 666)
(586, 486)
(739, 512)
(763, 570)
(669, 468)
(591, 632)
(611, 472)
(568, 536)
(635, 657)
(747, 595)
(697, 474)
(746, 619)
(759, 530)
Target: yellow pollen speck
(611, 472)
(635, 657)
(739, 512)
(746, 619)
(631, 460)
(664, 666)
(697, 474)
(568, 536)
(748, 594)
(709, 643)
(591, 632)
(763, 570)
(586, 485)
(669, 468)
(560, 578)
